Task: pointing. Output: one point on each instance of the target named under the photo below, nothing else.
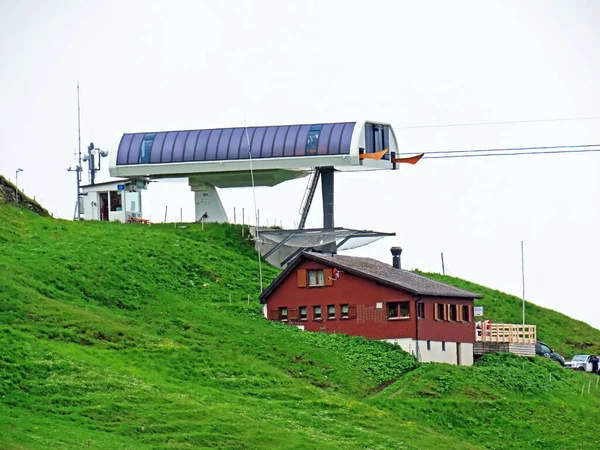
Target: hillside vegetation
(132, 336)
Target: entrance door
(103, 205)
(458, 353)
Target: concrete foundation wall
(460, 353)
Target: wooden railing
(506, 332)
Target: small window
(441, 311)
(331, 311)
(146, 148)
(398, 310)
(317, 313)
(312, 141)
(283, 314)
(453, 316)
(465, 313)
(428, 345)
(443, 346)
(303, 314)
(316, 278)
(421, 310)
(345, 311)
(115, 201)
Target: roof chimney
(396, 251)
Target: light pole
(17, 183)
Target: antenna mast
(255, 210)
(78, 170)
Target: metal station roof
(223, 144)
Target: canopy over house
(366, 297)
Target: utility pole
(523, 278)
(17, 184)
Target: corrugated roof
(378, 271)
(224, 144)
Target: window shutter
(302, 281)
(274, 314)
(459, 313)
(435, 311)
(328, 275)
(293, 314)
(352, 312)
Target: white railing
(505, 332)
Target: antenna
(255, 209)
(78, 169)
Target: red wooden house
(365, 297)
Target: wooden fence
(505, 332)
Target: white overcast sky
(148, 66)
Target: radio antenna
(256, 236)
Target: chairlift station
(258, 156)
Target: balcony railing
(505, 332)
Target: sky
(152, 65)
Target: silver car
(580, 362)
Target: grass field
(132, 336)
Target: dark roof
(118, 181)
(377, 271)
(223, 144)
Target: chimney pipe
(396, 251)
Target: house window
(421, 310)
(443, 346)
(428, 345)
(283, 314)
(453, 316)
(398, 310)
(316, 278)
(465, 313)
(317, 313)
(345, 311)
(303, 315)
(331, 311)
(440, 311)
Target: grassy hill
(130, 336)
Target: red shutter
(293, 314)
(435, 311)
(352, 312)
(274, 314)
(302, 280)
(459, 313)
(328, 275)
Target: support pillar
(208, 204)
(327, 191)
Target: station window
(313, 139)
(398, 310)
(317, 313)
(115, 201)
(316, 278)
(303, 315)
(376, 138)
(146, 148)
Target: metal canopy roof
(224, 144)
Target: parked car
(580, 362)
(544, 350)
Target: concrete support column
(208, 204)
(327, 190)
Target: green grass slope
(128, 336)
(565, 335)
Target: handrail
(505, 333)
